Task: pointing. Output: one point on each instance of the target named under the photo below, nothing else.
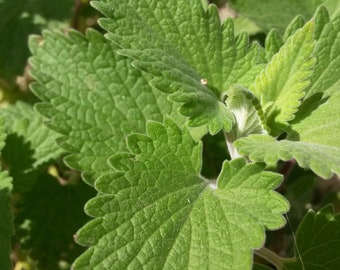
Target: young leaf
(325, 78)
(34, 143)
(313, 144)
(192, 56)
(156, 211)
(6, 227)
(248, 114)
(280, 86)
(317, 241)
(247, 111)
(92, 96)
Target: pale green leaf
(247, 112)
(280, 86)
(92, 96)
(320, 158)
(297, 23)
(325, 78)
(6, 226)
(317, 241)
(157, 212)
(314, 142)
(182, 45)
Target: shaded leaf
(6, 226)
(34, 144)
(317, 241)
(49, 215)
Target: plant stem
(230, 144)
(270, 257)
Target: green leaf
(325, 78)
(248, 114)
(280, 86)
(314, 143)
(157, 212)
(321, 159)
(247, 111)
(6, 226)
(317, 241)
(273, 43)
(269, 14)
(92, 97)
(34, 144)
(190, 54)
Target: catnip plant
(191, 136)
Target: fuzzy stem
(231, 148)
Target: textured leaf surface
(315, 144)
(247, 111)
(182, 45)
(6, 227)
(91, 96)
(34, 144)
(280, 86)
(325, 78)
(248, 115)
(317, 242)
(157, 212)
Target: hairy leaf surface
(280, 86)
(191, 55)
(313, 142)
(157, 212)
(92, 96)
